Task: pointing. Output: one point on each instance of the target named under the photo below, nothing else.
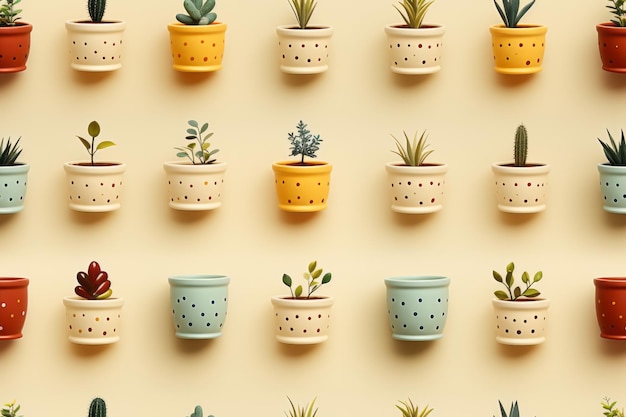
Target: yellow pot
(302, 188)
(518, 50)
(197, 48)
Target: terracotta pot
(415, 51)
(94, 188)
(14, 47)
(521, 322)
(416, 190)
(13, 307)
(197, 48)
(194, 187)
(521, 189)
(612, 47)
(95, 47)
(518, 50)
(610, 301)
(304, 51)
(302, 188)
(93, 322)
(302, 321)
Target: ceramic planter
(95, 47)
(302, 188)
(14, 47)
(518, 50)
(304, 51)
(95, 188)
(415, 51)
(302, 321)
(194, 187)
(417, 307)
(13, 307)
(610, 301)
(93, 322)
(612, 183)
(521, 189)
(197, 48)
(521, 322)
(416, 190)
(199, 305)
(612, 44)
(13, 181)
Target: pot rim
(535, 168)
(13, 282)
(215, 27)
(610, 281)
(188, 167)
(525, 27)
(302, 303)
(199, 280)
(412, 281)
(434, 167)
(76, 301)
(525, 304)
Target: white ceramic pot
(13, 181)
(416, 190)
(302, 321)
(613, 188)
(95, 188)
(95, 47)
(93, 322)
(415, 51)
(304, 51)
(521, 322)
(521, 189)
(194, 187)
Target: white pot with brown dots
(93, 322)
(521, 189)
(416, 189)
(194, 187)
(94, 188)
(521, 322)
(302, 321)
(415, 51)
(302, 187)
(95, 47)
(304, 51)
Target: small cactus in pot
(97, 408)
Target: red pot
(612, 46)
(14, 47)
(13, 305)
(611, 307)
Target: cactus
(96, 9)
(197, 412)
(521, 146)
(97, 408)
(199, 13)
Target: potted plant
(521, 187)
(517, 48)
(95, 45)
(520, 315)
(13, 307)
(199, 305)
(93, 316)
(302, 186)
(308, 410)
(610, 302)
(408, 409)
(302, 318)
(610, 408)
(303, 49)
(94, 186)
(612, 38)
(14, 38)
(13, 177)
(10, 409)
(197, 39)
(415, 47)
(195, 184)
(613, 174)
(416, 187)
(197, 412)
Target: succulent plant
(413, 153)
(610, 409)
(94, 130)
(197, 152)
(96, 9)
(514, 293)
(93, 284)
(510, 11)
(9, 152)
(97, 408)
(10, 409)
(299, 411)
(617, 9)
(514, 410)
(199, 13)
(197, 412)
(408, 409)
(8, 15)
(303, 10)
(312, 277)
(616, 155)
(413, 11)
(304, 143)
(520, 148)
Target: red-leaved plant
(94, 284)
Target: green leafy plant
(308, 410)
(413, 11)
(303, 10)
(514, 293)
(199, 12)
(610, 409)
(408, 409)
(197, 412)
(198, 152)
(616, 155)
(10, 409)
(97, 408)
(94, 131)
(510, 11)
(312, 277)
(413, 153)
(520, 148)
(96, 9)
(617, 9)
(514, 410)
(93, 284)
(304, 143)
(9, 152)
(8, 14)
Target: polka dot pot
(610, 301)
(94, 188)
(194, 187)
(521, 189)
(302, 321)
(93, 322)
(14, 47)
(13, 307)
(612, 44)
(199, 305)
(197, 48)
(13, 181)
(301, 188)
(95, 47)
(518, 50)
(415, 51)
(304, 51)
(613, 188)
(417, 307)
(416, 190)
(521, 322)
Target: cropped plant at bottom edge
(10, 409)
(312, 277)
(610, 409)
(409, 409)
(308, 410)
(97, 408)
(197, 412)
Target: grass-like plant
(10, 409)
(617, 9)
(520, 148)
(303, 10)
(94, 131)
(199, 151)
(615, 154)
(9, 152)
(610, 409)
(514, 410)
(413, 153)
(408, 409)
(510, 11)
(514, 293)
(304, 143)
(198, 12)
(308, 410)
(8, 14)
(312, 277)
(413, 11)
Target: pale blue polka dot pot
(417, 307)
(199, 304)
(13, 181)
(613, 187)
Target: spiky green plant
(616, 155)
(510, 11)
(514, 410)
(520, 148)
(303, 10)
(413, 153)
(610, 409)
(514, 293)
(8, 14)
(617, 9)
(10, 409)
(198, 152)
(197, 412)
(304, 143)
(94, 131)
(312, 278)
(96, 9)
(199, 13)
(97, 408)
(299, 411)
(413, 11)
(408, 409)
(9, 152)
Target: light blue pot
(613, 187)
(199, 304)
(13, 188)
(417, 307)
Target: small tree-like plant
(312, 277)
(413, 11)
(610, 408)
(413, 153)
(94, 131)
(617, 8)
(308, 410)
(615, 154)
(510, 11)
(10, 409)
(198, 151)
(199, 12)
(8, 14)
(93, 284)
(409, 409)
(514, 293)
(304, 143)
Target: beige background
(470, 113)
